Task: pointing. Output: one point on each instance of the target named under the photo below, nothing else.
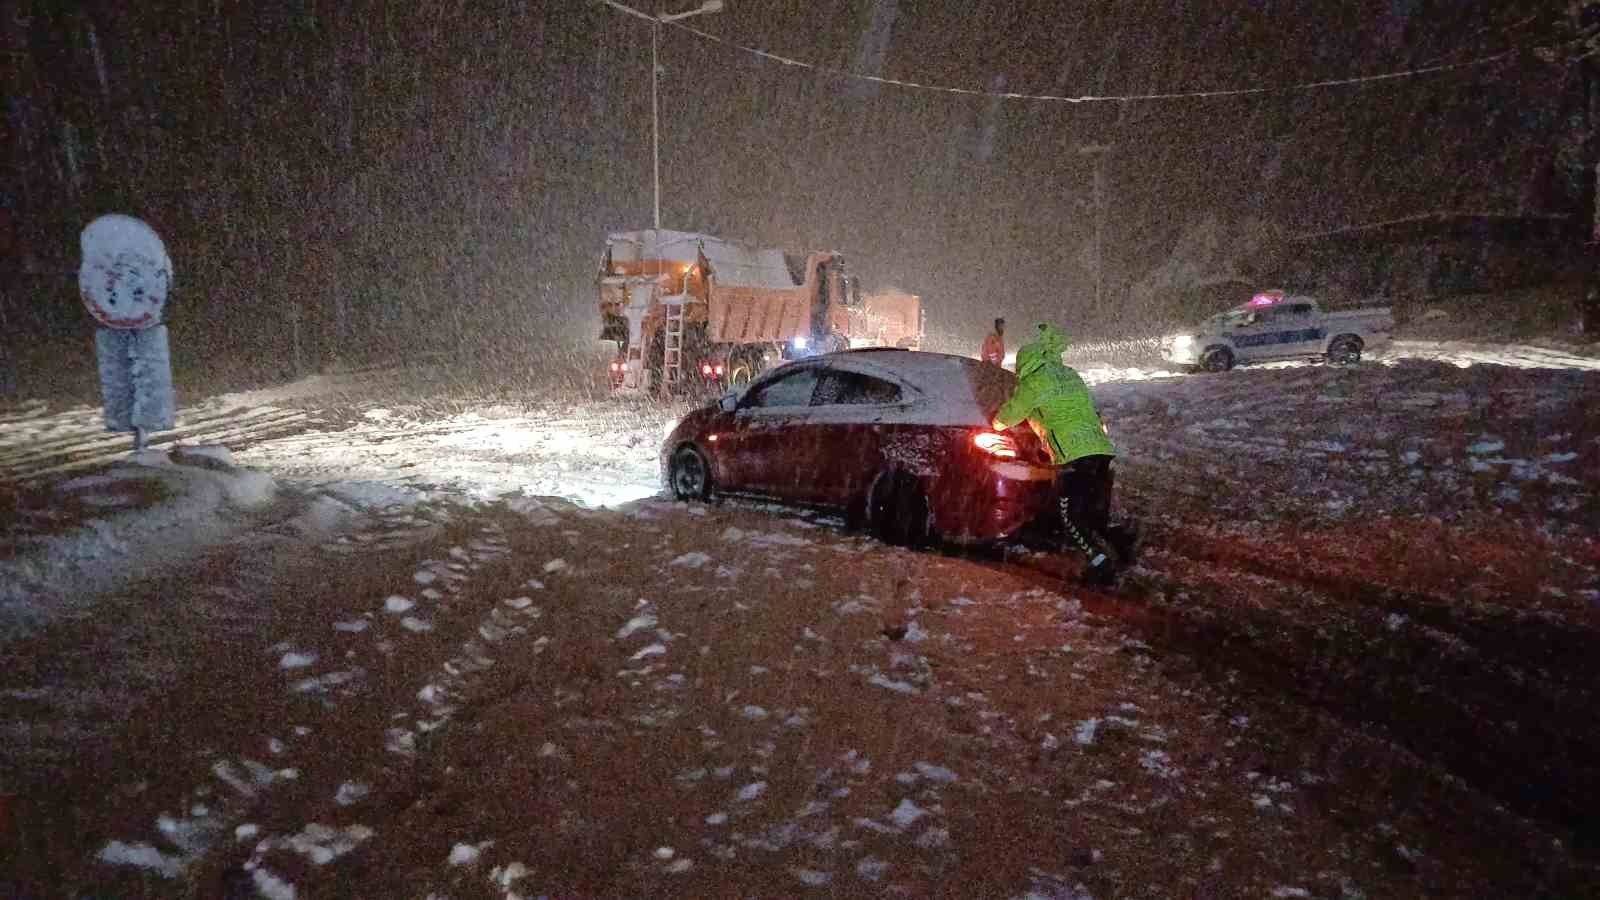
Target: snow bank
(1446, 437)
(145, 513)
(1464, 354)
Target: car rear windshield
(991, 385)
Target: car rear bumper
(1002, 500)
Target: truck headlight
(1182, 342)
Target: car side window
(791, 390)
(853, 388)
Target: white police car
(1276, 325)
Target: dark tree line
(369, 179)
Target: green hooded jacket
(1054, 401)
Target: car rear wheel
(899, 512)
(1345, 350)
(690, 475)
(1217, 359)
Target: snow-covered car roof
(948, 389)
(1269, 300)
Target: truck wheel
(1217, 359)
(690, 475)
(1345, 350)
(898, 511)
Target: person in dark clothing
(1086, 485)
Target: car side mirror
(729, 402)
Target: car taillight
(997, 445)
(719, 370)
(705, 370)
(616, 367)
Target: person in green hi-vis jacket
(1055, 403)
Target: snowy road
(594, 453)
(537, 699)
(1354, 661)
(598, 454)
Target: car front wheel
(690, 475)
(1217, 359)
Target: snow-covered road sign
(125, 274)
(124, 280)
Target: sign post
(124, 281)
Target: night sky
(442, 177)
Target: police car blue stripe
(1279, 337)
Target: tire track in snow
(85, 451)
(79, 429)
(1474, 695)
(230, 603)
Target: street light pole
(655, 118)
(707, 6)
(1099, 151)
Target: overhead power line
(1082, 98)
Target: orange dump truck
(687, 310)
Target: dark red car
(898, 439)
